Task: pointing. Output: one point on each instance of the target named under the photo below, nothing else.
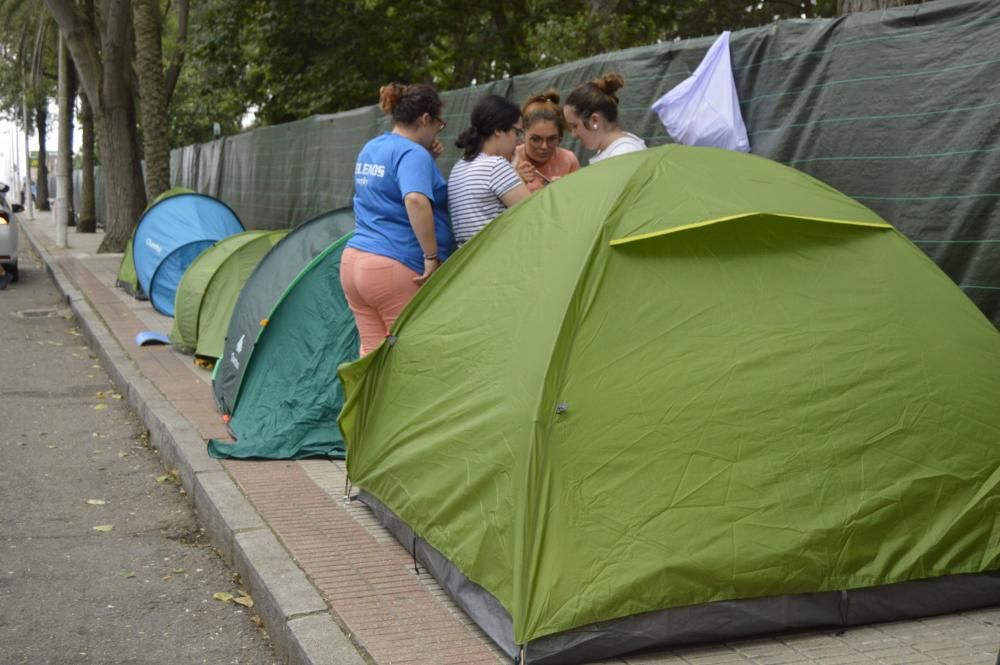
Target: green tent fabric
(290, 395)
(685, 394)
(209, 288)
(126, 279)
(263, 288)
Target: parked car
(8, 232)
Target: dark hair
(597, 96)
(406, 103)
(543, 107)
(493, 112)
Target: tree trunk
(152, 96)
(121, 168)
(102, 57)
(42, 172)
(88, 209)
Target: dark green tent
(288, 394)
(263, 288)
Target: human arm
(421, 216)
(514, 196)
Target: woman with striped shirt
(483, 183)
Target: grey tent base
(724, 620)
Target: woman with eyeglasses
(540, 160)
(483, 183)
(401, 232)
(592, 116)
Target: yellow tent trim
(686, 227)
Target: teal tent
(289, 397)
(266, 284)
(686, 394)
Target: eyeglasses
(439, 121)
(539, 141)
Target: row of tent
(265, 305)
(682, 395)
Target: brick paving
(396, 615)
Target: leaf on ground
(127, 574)
(104, 527)
(164, 478)
(116, 396)
(178, 571)
(224, 596)
(100, 407)
(97, 502)
(99, 394)
(245, 600)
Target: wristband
(432, 258)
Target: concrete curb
(294, 614)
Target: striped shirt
(474, 191)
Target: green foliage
(289, 60)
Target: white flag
(704, 108)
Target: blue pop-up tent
(170, 235)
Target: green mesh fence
(900, 109)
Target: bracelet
(432, 258)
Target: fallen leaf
(178, 571)
(224, 596)
(162, 479)
(97, 502)
(116, 396)
(100, 407)
(127, 574)
(244, 600)
(104, 527)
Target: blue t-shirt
(388, 168)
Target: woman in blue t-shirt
(401, 213)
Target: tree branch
(174, 70)
(82, 45)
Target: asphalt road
(72, 458)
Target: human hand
(436, 149)
(430, 265)
(525, 169)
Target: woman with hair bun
(483, 183)
(540, 160)
(592, 116)
(401, 232)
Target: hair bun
(389, 95)
(609, 84)
(550, 95)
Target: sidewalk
(333, 586)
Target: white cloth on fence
(704, 109)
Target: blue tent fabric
(170, 235)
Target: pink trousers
(377, 290)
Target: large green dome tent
(686, 394)
(209, 288)
(264, 287)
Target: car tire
(12, 269)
